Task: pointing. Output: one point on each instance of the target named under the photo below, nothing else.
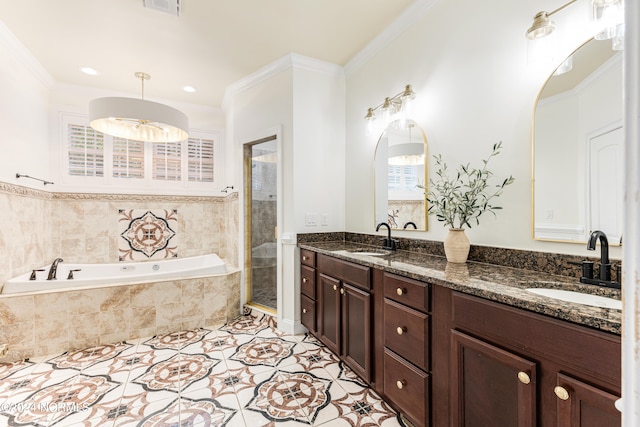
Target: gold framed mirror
(400, 166)
(577, 140)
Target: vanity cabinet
(308, 290)
(511, 367)
(344, 312)
(407, 342)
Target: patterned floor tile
(244, 374)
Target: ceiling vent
(172, 7)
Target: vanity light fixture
(400, 102)
(542, 26)
(138, 119)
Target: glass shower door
(261, 177)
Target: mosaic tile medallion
(147, 234)
(177, 340)
(177, 372)
(264, 351)
(84, 358)
(291, 396)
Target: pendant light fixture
(138, 119)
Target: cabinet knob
(400, 384)
(341, 291)
(304, 311)
(335, 287)
(304, 280)
(401, 330)
(561, 392)
(401, 291)
(304, 257)
(524, 377)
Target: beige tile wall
(39, 226)
(45, 323)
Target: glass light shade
(138, 120)
(565, 67)
(607, 15)
(541, 26)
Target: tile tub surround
(83, 228)
(48, 322)
(494, 282)
(243, 374)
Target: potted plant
(461, 199)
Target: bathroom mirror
(399, 169)
(577, 149)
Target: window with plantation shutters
(200, 159)
(128, 158)
(85, 151)
(167, 161)
(96, 161)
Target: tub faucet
(54, 269)
(388, 243)
(605, 265)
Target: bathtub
(90, 275)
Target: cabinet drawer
(407, 387)
(348, 272)
(406, 332)
(308, 281)
(407, 291)
(308, 312)
(307, 257)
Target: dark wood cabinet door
(490, 386)
(356, 332)
(329, 315)
(582, 405)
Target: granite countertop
(497, 283)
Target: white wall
(473, 88)
(24, 104)
(301, 100)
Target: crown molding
(409, 17)
(290, 60)
(24, 56)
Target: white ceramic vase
(456, 245)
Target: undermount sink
(369, 252)
(579, 297)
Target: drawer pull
(304, 311)
(335, 287)
(304, 280)
(524, 377)
(304, 257)
(401, 330)
(400, 384)
(561, 392)
(341, 291)
(401, 291)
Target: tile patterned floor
(246, 373)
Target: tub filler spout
(54, 269)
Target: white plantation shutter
(128, 158)
(85, 151)
(200, 159)
(167, 161)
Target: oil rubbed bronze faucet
(388, 243)
(604, 274)
(54, 269)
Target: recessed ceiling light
(90, 71)
(189, 89)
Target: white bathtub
(119, 273)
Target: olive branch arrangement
(460, 200)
